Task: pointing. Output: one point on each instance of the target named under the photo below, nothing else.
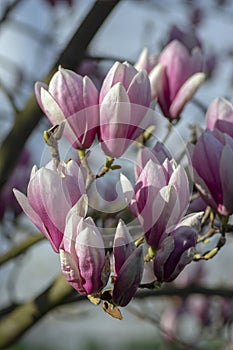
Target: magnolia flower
(175, 252)
(51, 193)
(212, 159)
(181, 77)
(220, 116)
(159, 199)
(124, 98)
(128, 266)
(82, 253)
(72, 98)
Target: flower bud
(160, 198)
(82, 255)
(181, 77)
(175, 252)
(124, 98)
(128, 266)
(212, 159)
(51, 193)
(72, 98)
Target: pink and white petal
(24, 203)
(204, 190)
(55, 114)
(33, 171)
(180, 180)
(115, 107)
(218, 112)
(172, 211)
(90, 93)
(79, 209)
(115, 117)
(71, 272)
(175, 57)
(33, 216)
(53, 207)
(155, 78)
(185, 94)
(153, 175)
(129, 278)
(74, 182)
(139, 90)
(123, 246)
(93, 238)
(38, 87)
(108, 81)
(66, 89)
(142, 62)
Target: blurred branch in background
(28, 118)
(23, 317)
(21, 247)
(8, 9)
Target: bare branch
(28, 118)
(21, 247)
(26, 315)
(8, 10)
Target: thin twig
(156, 322)
(9, 8)
(211, 231)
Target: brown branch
(28, 118)
(21, 247)
(170, 290)
(23, 317)
(8, 9)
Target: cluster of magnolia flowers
(57, 195)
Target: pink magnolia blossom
(128, 266)
(212, 159)
(72, 98)
(159, 199)
(181, 77)
(177, 248)
(51, 194)
(82, 253)
(176, 251)
(146, 61)
(124, 98)
(220, 116)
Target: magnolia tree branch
(21, 247)
(24, 316)
(8, 9)
(27, 119)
